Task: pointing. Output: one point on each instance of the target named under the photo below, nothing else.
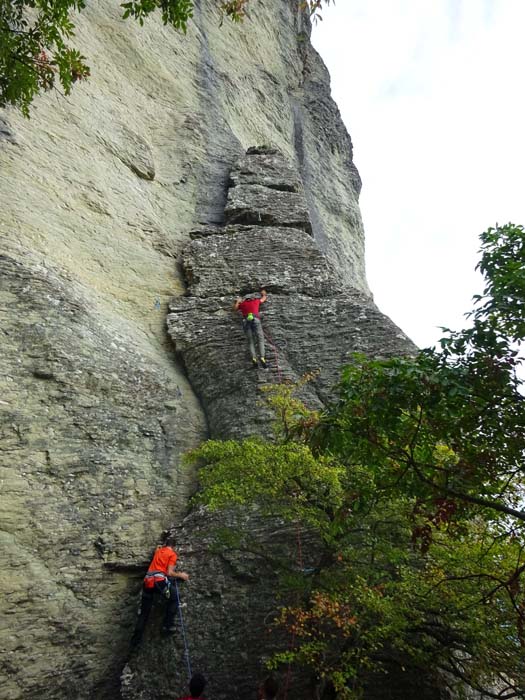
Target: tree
(35, 54)
(412, 482)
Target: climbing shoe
(169, 630)
(254, 362)
(264, 365)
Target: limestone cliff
(313, 321)
(99, 194)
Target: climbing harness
(165, 589)
(159, 581)
(249, 320)
(186, 649)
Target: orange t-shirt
(163, 557)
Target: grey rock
(88, 433)
(6, 133)
(266, 190)
(260, 205)
(244, 258)
(313, 323)
(132, 149)
(98, 196)
(303, 335)
(265, 166)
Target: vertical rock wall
(313, 321)
(98, 193)
(92, 426)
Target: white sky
(433, 95)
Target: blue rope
(186, 650)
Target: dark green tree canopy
(413, 483)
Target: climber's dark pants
(146, 603)
(254, 328)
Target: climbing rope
(292, 638)
(186, 649)
(299, 548)
(298, 531)
(275, 354)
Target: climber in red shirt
(159, 580)
(269, 689)
(197, 685)
(249, 308)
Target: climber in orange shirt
(159, 580)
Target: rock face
(227, 607)
(313, 321)
(98, 195)
(93, 424)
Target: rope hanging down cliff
(299, 548)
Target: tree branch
(476, 500)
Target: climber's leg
(249, 335)
(172, 606)
(260, 337)
(146, 603)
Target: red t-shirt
(250, 306)
(163, 557)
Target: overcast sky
(433, 95)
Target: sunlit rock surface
(99, 193)
(313, 320)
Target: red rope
(276, 355)
(299, 546)
(292, 640)
(289, 671)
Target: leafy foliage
(314, 7)
(33, 49)
(448, 424)
(288, 475)
(413, 482)
(176, 13)
(35, 55)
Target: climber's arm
(177, 574)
